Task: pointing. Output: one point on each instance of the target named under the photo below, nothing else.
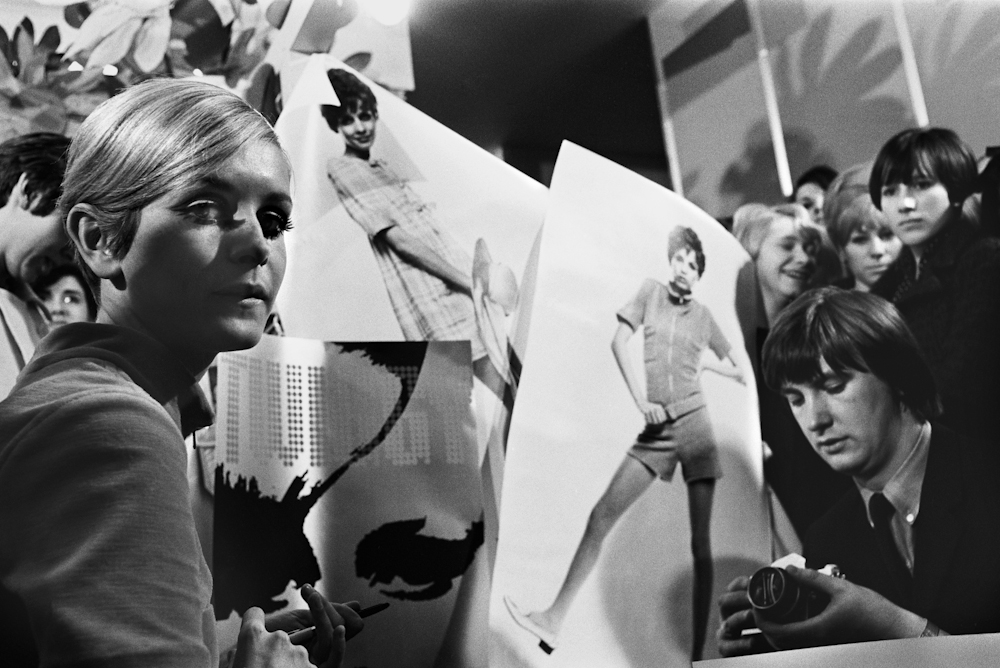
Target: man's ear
(93, 244)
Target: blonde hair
(152, 139)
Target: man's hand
(737, 615)
(854, 614)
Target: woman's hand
(323, 629)
(653, 413)
(257, 647)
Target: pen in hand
(304, 635)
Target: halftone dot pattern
(295, 428)
(264, 438)
(234, 368)
(416, 449)
(316, 410)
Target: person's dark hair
(849, 330)
(821, 175)
(685, 238)
(50, 279)
(41, 157)
(353, 94)
(932, 153)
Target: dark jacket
(953, 309)
(956, 580)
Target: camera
(779, 598)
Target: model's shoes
(546, 639)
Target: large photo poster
(633, 489)
(351, 467)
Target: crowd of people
(130, 257)
(878, 371)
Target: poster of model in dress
(404, 229)
(633, 489)
(351, 467)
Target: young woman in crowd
(784, 245)
(865, 242)
(176, 198)
(66, 297)
(810, 190)
(947, 279)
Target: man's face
(852, 420)
(31, 245)
(357, 127)
(684, 267)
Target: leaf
(99, 25)
(50, 40)
(115, 46)
(151, 42)
(76, 14)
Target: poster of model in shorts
(633, 490)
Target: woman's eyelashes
(273, 222)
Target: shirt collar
(904, 487)
(145, 360)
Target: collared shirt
(903, 492)
(426, 307)
(676, 334)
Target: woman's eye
(274, 223)
(924, 184)
(206, 211)
(72, 299)
(859, 239)
(889, 191)
(794, 400)
(886, 235)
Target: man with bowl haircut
(918, 539)
(32, 242)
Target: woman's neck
(772, 304)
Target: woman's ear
(91, 241)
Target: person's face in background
(785, 263)
(357, 127)
(916, 212)
(868, 253)
(810, 196)
(66, 301)
(30, 245)
(684, 270)
(207, 260)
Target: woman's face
(868, 253)
(207, 260)
(916, 212)
(357, 127)
(784, 264)
(66, 301)
(810, 196)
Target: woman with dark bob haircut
(946, 281)
(850, 331)
(176, 198)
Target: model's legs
(700, 493)
(629, 482)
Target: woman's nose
(250, 246)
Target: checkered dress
(426, 306)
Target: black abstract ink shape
(259, 541)
(397, 550)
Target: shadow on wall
(828, 106)
(962, 69)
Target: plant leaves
(151, 42)
(116, 45)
